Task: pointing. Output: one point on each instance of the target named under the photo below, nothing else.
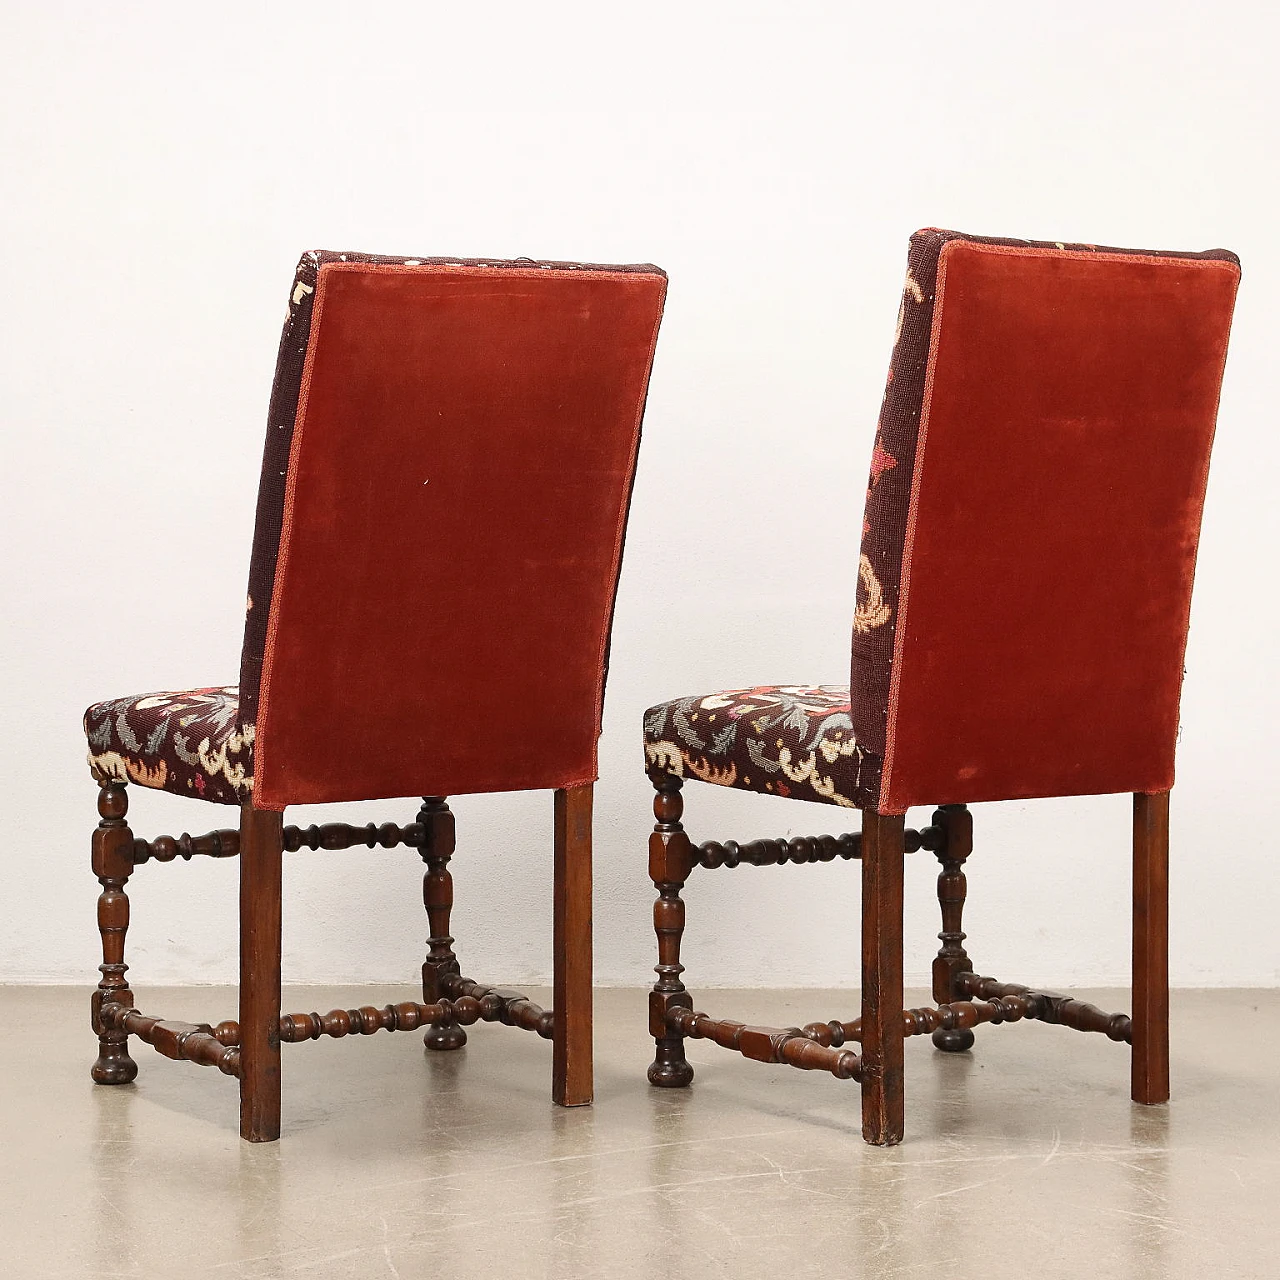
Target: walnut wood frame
(249, 1048)
(964, 999)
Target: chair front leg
(572, 1070)
(670, 862)
(112, 864)
(438, 843)
(956, 822)
(261, 845)
(1150, 1069)
(883, 855)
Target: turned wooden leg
(261, 837)
(437, 894)
(1150, 1073)
(571, 1071)
(112, 864)
(883, 856)
(670, 861)
(957, 822)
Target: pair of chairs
(445, 487)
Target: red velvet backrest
(1033, 518)
(445, 488)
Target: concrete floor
(1024, 1158)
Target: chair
(448, 465)
(1029, 541)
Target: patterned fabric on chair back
(448, 467)
(1033, 515)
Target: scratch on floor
(797, 1186)
(522, 1165)
(1053, 1150)
(386, 1247)
(1156, 1220)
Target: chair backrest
(1033, 516)
(445, 486)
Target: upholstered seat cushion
(190, 743)
(791, 740)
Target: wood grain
(671, 859)
(571, 1064)
(261, 845)
(882, 1030)
(1150, 1068)
(112, 862)
(437, 841)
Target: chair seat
(190, 743)
(791, 740)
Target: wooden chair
(1028, 548)
(448, 466)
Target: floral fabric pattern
(793, 740)
(884, 524)
(190, 743)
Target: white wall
(163, 165)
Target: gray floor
(1024, 1158)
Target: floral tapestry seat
(190, 743)
(794, 740)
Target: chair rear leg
(670, 861)
(571, 1041)
(1150, 1071)
(261, 844)
(883, 855)
(112, 864)
(437, 848)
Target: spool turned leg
(957, 822)
(437, 848)
(261, 847)
(883, 856)
(1150, 1073)
(112, 864)
(670, 861)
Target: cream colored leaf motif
(122, 768)
(665, 756)
(806, 772)
(910, 289)
(708, 772)
(872, 612)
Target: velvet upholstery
(783, 740)
(1030, 529)
(457, 485)
(448, 467)
(1056, 483)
